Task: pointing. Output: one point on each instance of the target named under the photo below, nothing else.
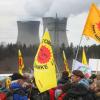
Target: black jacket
(79, 92)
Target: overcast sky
(75, 10)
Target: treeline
(92, 51)
(11, 50)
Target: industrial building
(57, 29)
(28, 33)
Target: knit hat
(65, 74)
(78, 73)
(85, 82)
(93, 76)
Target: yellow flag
(8, 82)
(20, 62)
(84, 59)
(92, 26)
(44, 65)
(66, 64)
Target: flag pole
(78, 48)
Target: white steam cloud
(13, 10)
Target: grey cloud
(41, 8)
(38, 8)
(62, 7)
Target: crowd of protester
(74, 87)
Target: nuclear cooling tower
(57, 29)
(28, 32)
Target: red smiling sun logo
(44, 55)
(98, 26)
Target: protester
(4, 91)
(93, 85)
(97, 88)
(64, 78)
(20, 87)
(79, 87)
(16, 76)
(80, 78)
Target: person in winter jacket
(64, 78)
(79, 88)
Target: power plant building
(28, 32)
(57, 29)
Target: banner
(20, 62)
(44, 65)
(84, 68)
(66, 64)
(92, 26)
(94, 64)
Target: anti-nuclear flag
(66, 64)
(8, 82)
(92, 26)
(84, 59)
(20, 62)
(44, 65)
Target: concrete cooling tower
(28, 32)
(57, 29)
